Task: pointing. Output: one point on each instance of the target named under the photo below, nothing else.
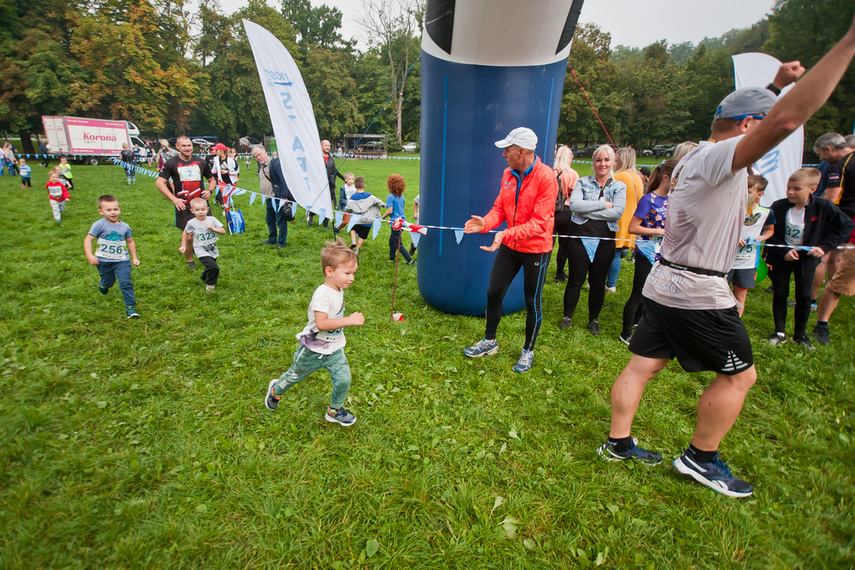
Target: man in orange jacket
(526, 202)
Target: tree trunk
(26, 142)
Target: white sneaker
(209, 288)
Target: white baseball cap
(521, 136)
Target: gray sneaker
(340, 416)
(481, 348)
(524, 362)
(270, 401)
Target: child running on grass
(204, 229)
(65, 173)
(367, 207)
(344, 194)
(26, 174)
(758, 226)
(805, 228)
(58, 196)
(115, 242)
(322, 339)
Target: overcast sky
(634, 23)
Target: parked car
(659, 150)
(587, 151)
(410, 147)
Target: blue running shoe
(340, 416)
(714, 475)
(103, 290)
(607, 451)
(481, 348)
(132, 313)
(524, 362)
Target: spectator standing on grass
(758, 226)
(272, 184)
(114, 242)
(624, 172)
(332, 172)
(165, 153)
(648, 223)
(130, 160)
(225, 169)
(8, 159)
(396, 210)
(526, 201)
(806, 227)
(567, 178)
(413, 246)
(43, 150)
(840, 189)
(689, 310)
(181, 179)
(322, 340)
(597, 203)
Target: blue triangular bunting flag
(415, 236)
(459, 235)
(591, 245)
(647, 248)
(375, 229)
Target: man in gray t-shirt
(689, 312)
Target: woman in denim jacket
(597, 203)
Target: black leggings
(802, 271)
(597, 272)
(505, 268)
(397, 245)
(630, 310)
(562, 228)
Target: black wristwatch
(771, 87)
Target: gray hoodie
(365, 204)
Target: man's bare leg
(628, 389)
(719, 407)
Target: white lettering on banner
(293, 120)
(768, 163)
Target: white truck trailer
(89, 140)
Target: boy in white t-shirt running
(757, 226)
(114, 242)
(205, 230)
(322, 339)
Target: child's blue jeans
(121, 270)
(305, 362)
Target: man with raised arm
(689, 311)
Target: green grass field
(145, 443)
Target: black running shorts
(706, 339)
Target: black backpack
(559, 199)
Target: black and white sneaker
(777, 338)
(715, 475)
(340, 416)
(821, 334)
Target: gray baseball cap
(521, 136)
(746, 101)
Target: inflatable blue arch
(487, 67)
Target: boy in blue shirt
(26, 173)
(114, 242)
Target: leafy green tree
(805, 30)
(316, 26)
(590, 59)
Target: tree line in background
(172, 72)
